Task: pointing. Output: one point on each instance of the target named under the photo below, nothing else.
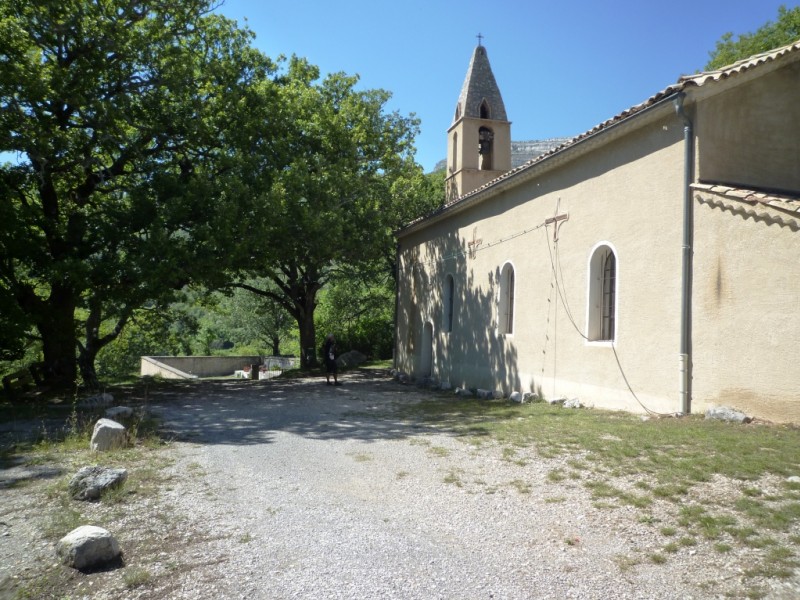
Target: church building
(651, 264)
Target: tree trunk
(86, 360)
(308, 339)
(94, 342)
(56, 325)
(276, 346)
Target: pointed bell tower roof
(480, 97)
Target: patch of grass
(453, 478)
(780, 562)
(117, 495)
(578, 465)
(722, 547)
(361, 457)
(755, 593)
(626, 563)
(779, 517)
(522, 487)
(556, 475)
(668, 531)
(647, 519)
(554, 499)
(671, 548)
(62, 520)
(438, 451)
(759, 541)
(135, 577)
(670, 491)
(657, 558)
(601, 489)
(402, 474)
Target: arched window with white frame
(506, 304)
(602, 302)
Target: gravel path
(296, 490)
(309, 491)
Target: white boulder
(87, 547)
(108, 435)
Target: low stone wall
(192, 367)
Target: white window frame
(594, 294)
(506, 300)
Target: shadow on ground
(366, 407)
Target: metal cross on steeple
(480, 39)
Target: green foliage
(361, 315)
(130, 184)
(150, 332)
(785, 30)
(127, 187)
(334, 203)
(249, 318)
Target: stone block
(108, 435)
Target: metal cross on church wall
(473, 245)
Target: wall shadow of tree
(474, 354)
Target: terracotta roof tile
(780, 201)
(739, 66)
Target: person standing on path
(329, 356)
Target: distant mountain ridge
(522, 152)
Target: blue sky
(562, 66)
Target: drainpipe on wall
(396, 303)
(686, 270)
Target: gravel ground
(295, 489)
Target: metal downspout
(686, 270)
(396, 303)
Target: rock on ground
(88, 547)
(89, 483)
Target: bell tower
(479, 140)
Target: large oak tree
(347, 182)
(123, 117)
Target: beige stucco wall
(640, 177)
(746, 305)
(748, 134)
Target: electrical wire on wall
(556, 269)
(461, 253)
